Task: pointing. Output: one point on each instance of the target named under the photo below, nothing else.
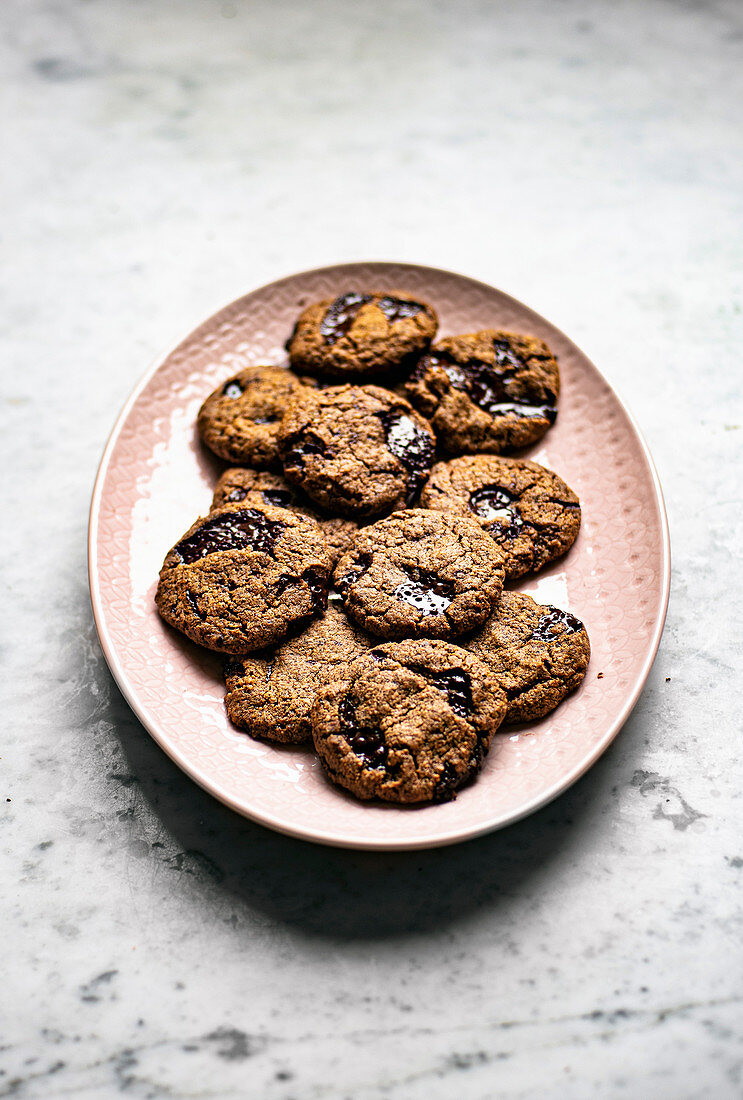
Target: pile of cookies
(353, 563)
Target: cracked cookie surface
(271, 694)
(538, 653)
(242, 577)
(356, 450)
(264, 487)
(421, 574)
(487, 391)
(361, 334)
(408, 721)
(239, 420)
(529, 511)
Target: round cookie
(239, 421)
(487, 391)
(356, 450)
(421, 574)
(529, 511)
(538, 653)
(242, 577)
(361, 334)
(271, 694)
(408, 721)
(263, 487)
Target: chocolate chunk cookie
(529, 511)
(271, 694)
(408, 721)
(356, 450)
(239, 421)
(263, 487)
(487, 391)
(361, 334)
(539, 654)
(421, 574)
(242, 577)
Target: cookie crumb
(599, 675)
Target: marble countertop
(161, 159)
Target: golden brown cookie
(361, 334)
(421, 574)
(356, 450)
(271, 694)
(242, 577)
(239, 421)
(407, 721)
(538, 653)
(529, 511)
(487, 391)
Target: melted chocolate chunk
(303, 444)
(286, 580)
(232, 388)
(281, 498)
(341, 315)
(490, 385)
(236, 496)
(354, 573)
(269, 670)
(241, 530)
(412, 445)
(495, 504)
(500, 532)
(491, 502)
(447, 784)
(368, 744)
(554, 617)
(264, 419)
(454, 683)
(429, 593)
(505, 356)
(233, 666)
(317, 582)
(395, 309)
(193, 601)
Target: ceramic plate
(155, 478)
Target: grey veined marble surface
(158, 160)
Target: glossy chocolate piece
(412, 445)
(340, 316)
(246, 529)
(395, 309)
(554, 617)
(367, 744)
(425, 591)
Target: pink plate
(155, 478)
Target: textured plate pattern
(155, 478)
